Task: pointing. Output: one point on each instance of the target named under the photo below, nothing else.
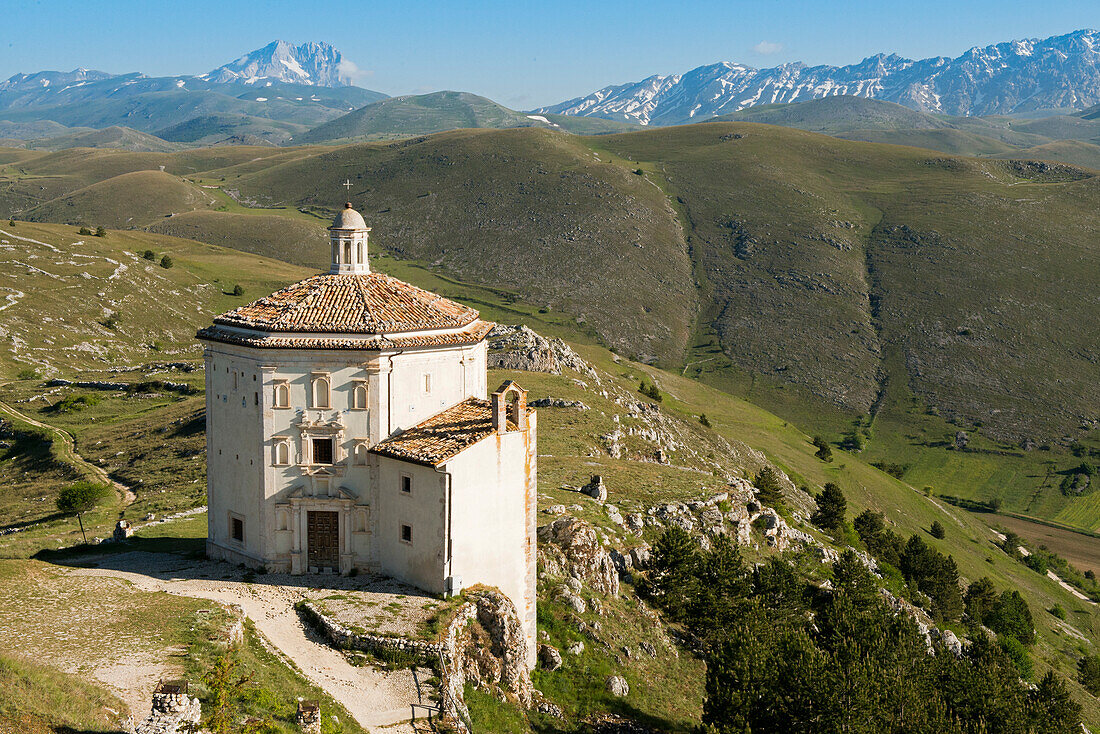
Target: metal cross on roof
(347, 184)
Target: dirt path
(69, 454)
(377, 699)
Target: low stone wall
(343, 637)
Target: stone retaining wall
(341, 636)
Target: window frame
(405, 484)
(313, 443)
(280, 387)
(236, 521)
(405, 537)
(318, 379)
(281, 443)
(359, 387)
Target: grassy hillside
(76, 302)
(838, 114)
(128, 200)
(120, 138)
(417, 115)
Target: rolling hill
(438, 112)
(828, 280)
(875, 121)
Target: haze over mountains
(1006, 78)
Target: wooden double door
(323, 539)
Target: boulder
(595, 488)
(616, 685)
(555, 510)
(576, 648)
(549, 657)
(635, 522)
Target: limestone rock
(123, 530)
(520, 348)
(555, 510)
(639, 556)
(576, 648)
(635, 522)
(616, 686)
(952, 643)
(549, 657)
(595, 489)
(570, 547)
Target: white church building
(348, 427)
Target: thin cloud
(766, 48)
(351, 71)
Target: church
(349, 429)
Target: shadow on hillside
(181, 559)
(80, 555)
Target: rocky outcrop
(570, 547)
(484, 646)
(520, 348)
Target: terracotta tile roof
(472, 334)
(443, 435)
(371, 303)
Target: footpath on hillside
(377, 699)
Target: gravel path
(375, 698)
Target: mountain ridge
(1009, 77)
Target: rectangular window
(322, 451)
(428, 384)
(406, 484)
(406, 534)
(236, 529)
(255, 398)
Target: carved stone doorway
(323, 539)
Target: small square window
(236, 529)
(406, 534)
(406, 484)
(322, 451)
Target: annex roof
(442, 436)
(350, 303)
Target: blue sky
(520, 53)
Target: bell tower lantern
(348, 236)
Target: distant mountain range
(1057, 73)
(271, 94)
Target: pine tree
(831, 507)
(1088, 673)
(937, 531)
(769, 487)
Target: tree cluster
(649, 389)
(783, 655)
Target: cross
(347, 185)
